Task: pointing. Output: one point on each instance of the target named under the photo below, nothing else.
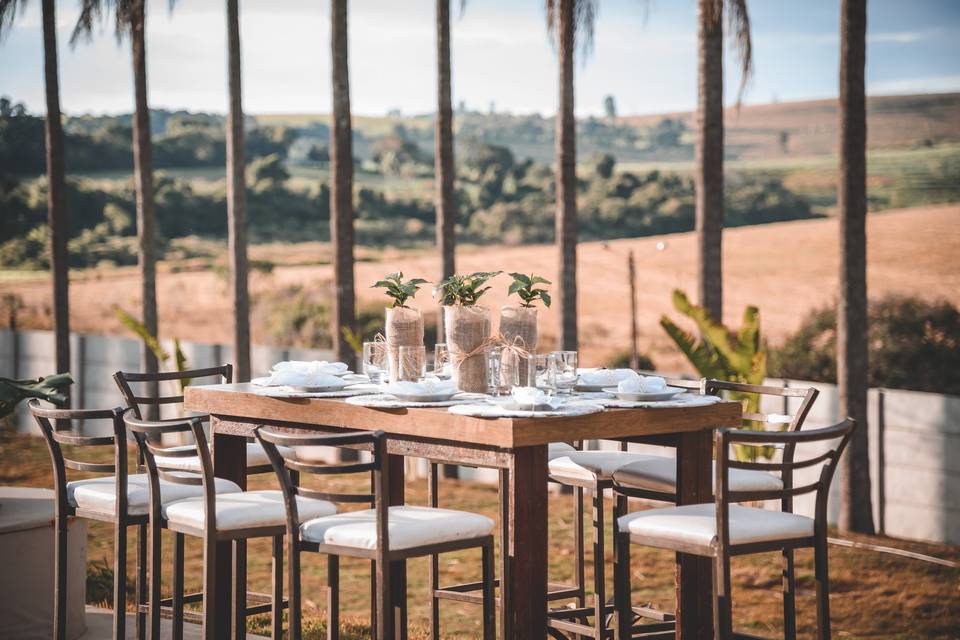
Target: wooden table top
(238, 402)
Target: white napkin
(642, 384)
(534, 397)
(312, 366)
(427, 386)
(291, 377)
(605, 377)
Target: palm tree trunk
(566, 179)
(856, 513)
(341, 185)
(56, 205)
(237, 200)
(443, 157)
(143, 181)
(709, 156)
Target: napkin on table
(427, 386)
(642, 384)
(606, 377)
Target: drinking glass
(413, 363)
(493, 371)
(563, 371)
(375, 361)
(539, 371)
(442, 367)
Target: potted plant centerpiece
(404, 325)
(467, 327)
(518, 324)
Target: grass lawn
(873, 595)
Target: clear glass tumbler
(413, 363)
(563, 371)
(375, 361)
(539, 371)
(441, 361)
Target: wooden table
(515, 446)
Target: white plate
(443, 396)
(303, 388)
(635, 396)
(590, 387)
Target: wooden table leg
(229, 462)
(398, 569)
(526, 576)
(694, 573)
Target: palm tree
(709, 145)
(56, 182)
(856, 513)
(446, 206)
(130, 17)
(341, 184)
(566, 20)
(237, 200)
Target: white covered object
(642, 384)
(558, 449)
(659, 473)
(591, 465)
(408, 527)
(99, 494)
(27, 558)
(696, 524)
(605, 377)
(244, 510)
(256, 456)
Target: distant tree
(268, 172)
(610, 107)
(603, 165)
(481, 157)
(318, 153)
(56, 180)
(341, 189)
(856, 513)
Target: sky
(644, 55)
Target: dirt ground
(786, 269)
(873, 595)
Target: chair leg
(621, 584)
(119, 580)
(433, 501)
(141, 581)
(276, 595)
(373, 598)
(722, 607)
(599, 584)
(60, 570)
(333, 597)
(210, 587)
(155, 571)
(578, 548)
(293, 588)
(385, 613)
(178, 549)
(822, 576)
(789, 597)
(239, 590)
(489, 602)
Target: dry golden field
(786, 269)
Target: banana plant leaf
(50, 388)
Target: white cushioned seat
(696, 524)
(256, 456)
(408, 526)
(245, 510)
(558, 449)
(660, 474)
(590, 465)
(98, 494)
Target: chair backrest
(794, 421)
(149, 390)
(373, 442)
(827, 460)
(46, 418)
(149, 437)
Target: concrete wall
(914, 436)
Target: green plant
(525, 287)
(137, 327)
(49, 388)
(399, 290)
(721, 354)
(464, 290)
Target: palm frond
(584, 21)
(8, 14)
(738, 21)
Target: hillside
(786, 269)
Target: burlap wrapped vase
(468, 336)
(404, 328)
(518, 328)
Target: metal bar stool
(383, 534)
(723, 528)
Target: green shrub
(913, 345)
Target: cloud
(923, 84)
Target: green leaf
(50, 388)
(141, 331)
(515, 287)
(539, 280)
(521, 278)
(381, 283)
(546, 298)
